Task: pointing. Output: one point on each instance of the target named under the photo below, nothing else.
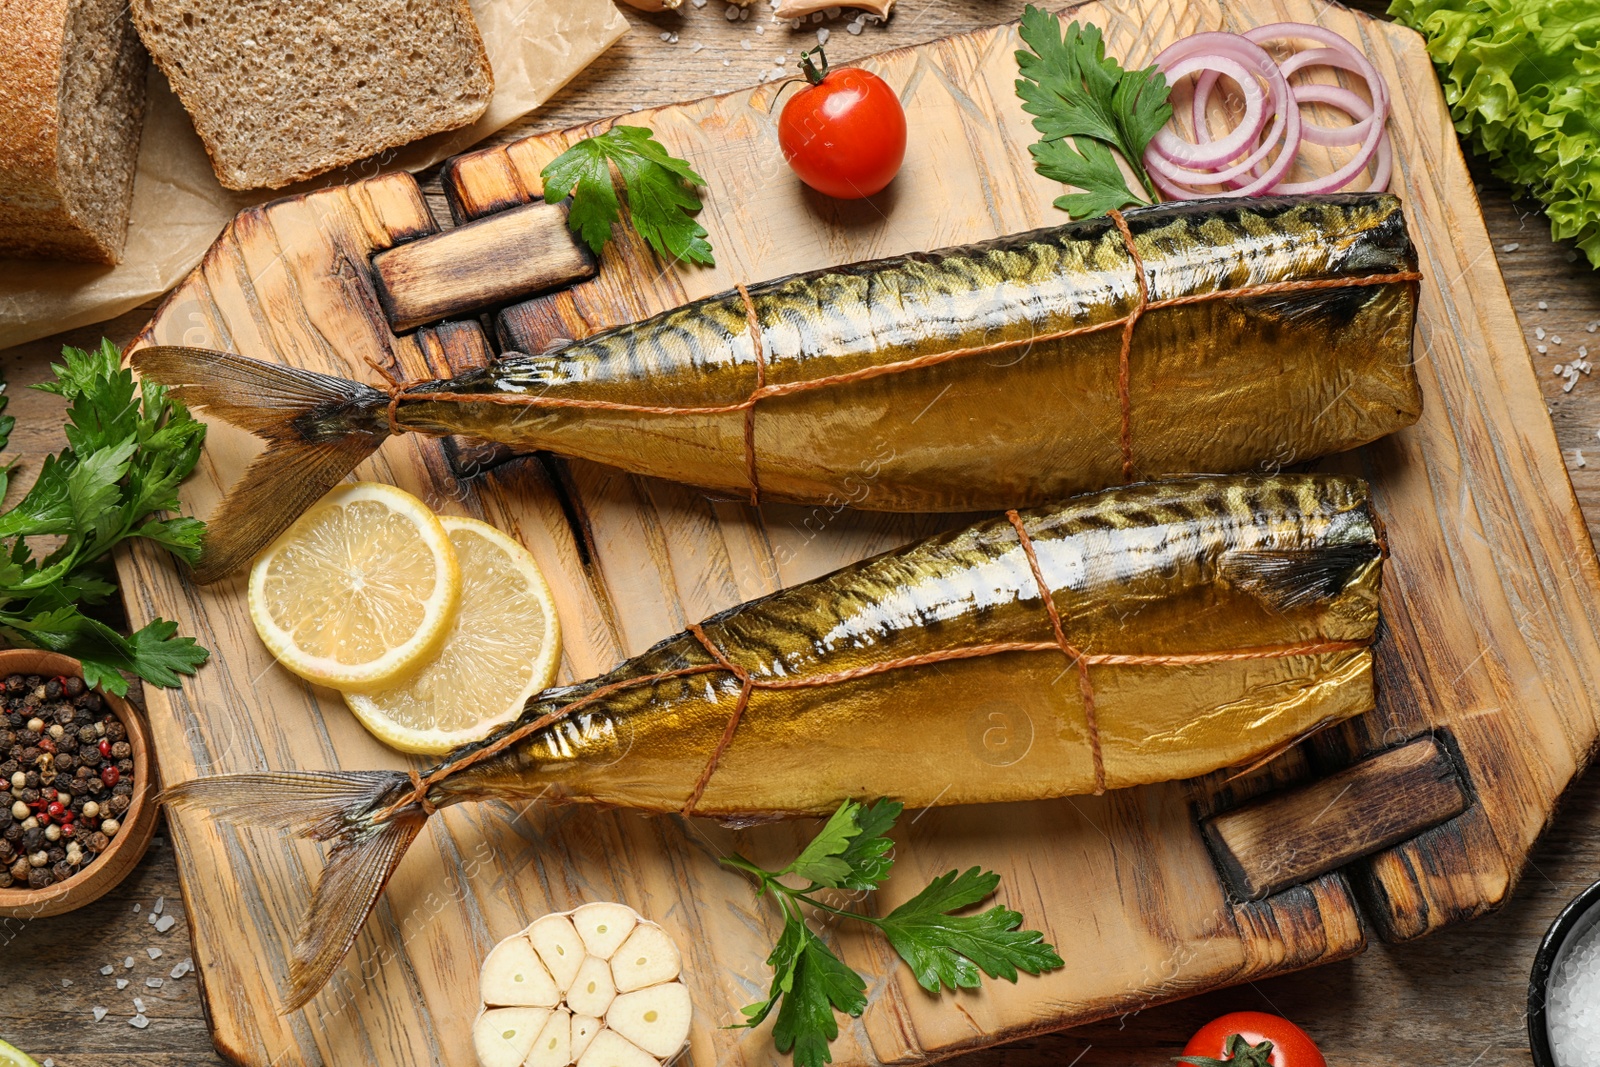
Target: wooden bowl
(138, 822)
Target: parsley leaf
(660, 191)
(1074, 90)
(821, 984)
(127, 450)
(949, 950)
(810, 982)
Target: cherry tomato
(845, 133)
(1251, 1039)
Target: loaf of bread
(72, 76)
(281, 90)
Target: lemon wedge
(503, 647)
(359, 591)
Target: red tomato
(1251, 1039)
(845, 133)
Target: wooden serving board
(1489, 668)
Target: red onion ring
(1165, 148)
(1351, 104)
(1215, 55)
(1199, 52)
(1336, 135)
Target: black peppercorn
(55, 854)
(72, 687)
(29, 796)
(98, 842)
(30, 755)
(87, 736)
(15, 684)
(125, 766)
(62, 871)
(6, 818)
(122, 788)
(52, 688)
(121, 750)
(118, 804)
(32, 781)
(64, 763)
(33, 840)
(97, 786)
(91, 700)
(39, 878)
(13, 833)
(19, 869)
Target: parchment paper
(534, 46)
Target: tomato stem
(810, 69)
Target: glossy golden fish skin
(1229, 385)
(1199, 565)
(1195, 568)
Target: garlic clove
(604, 926)
(553, 1046)
(608, 1049)
(647, 957)
(592, 990)
(655, 1018)
(503, 1036)
(559, 946)
(513, 976)
(584, 1027)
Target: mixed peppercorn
(69, 767)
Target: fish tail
(363, 813)
(317, 429)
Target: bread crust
(36, 218)
(228, 160)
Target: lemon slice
(359, 590)
(502, 648)
(11, 1056)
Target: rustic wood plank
(501, 257)
(1288, 838)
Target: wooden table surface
(1457, 997)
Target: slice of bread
(72, 78)
(281, 90)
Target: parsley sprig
(943, 949)
(124, 459)
(1074, 90)
(659, 186)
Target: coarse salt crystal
(731, 14)
(138, 1004)
(822, 35)
(183, 968)
(1559, 369)
(697, 46)
(761, 30)
(66, 982)
(156, 908)
(665, 36)
(832, 12)
(1538, 331)
(1578, 454)
(106, 970)
(139, 1022)
(154, 983)
(155, 953)
(853, 28)
(744, 42)
(136, 909)
(166, 923)
(99, 1013)
(151, 918)
(744, 13)
(122, 983)
(1556, 339)
(1541, 349)
(1510, 246)
(698, 3)
(127, 962)
(816, 16)
(1543, 306)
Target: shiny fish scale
(1154, 569)
(1237, 383)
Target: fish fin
(1284, 579)
(318, 428)
(338, 806)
